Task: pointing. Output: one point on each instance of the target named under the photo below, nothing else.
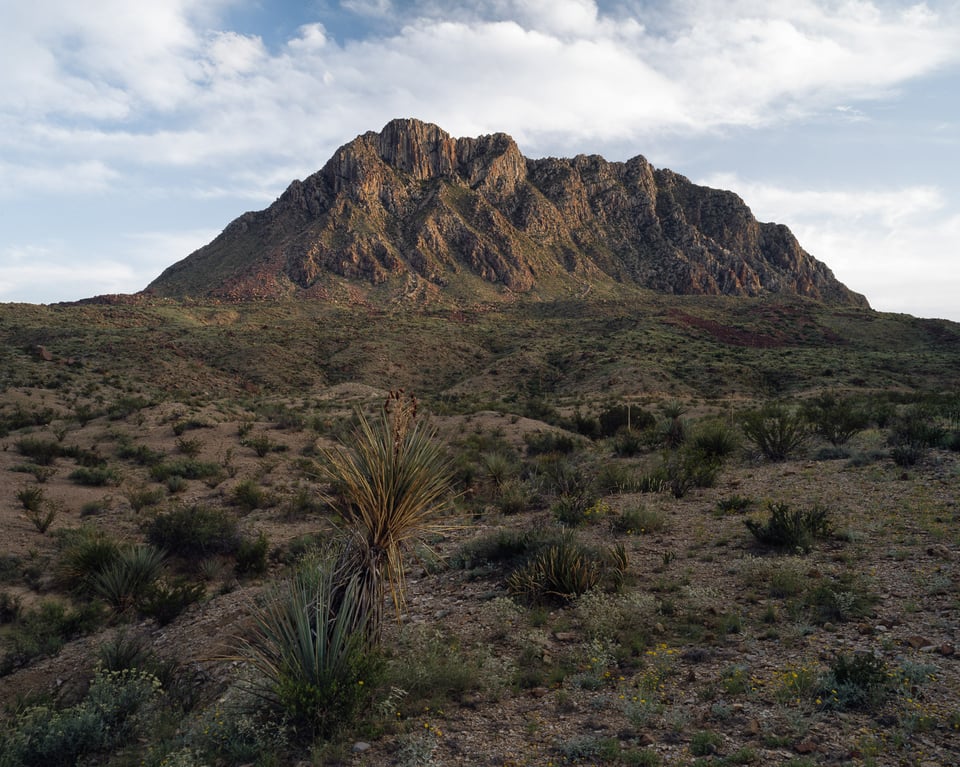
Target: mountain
(413, 205)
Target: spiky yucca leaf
(309, 646)
(393, 489)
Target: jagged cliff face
(411, 200)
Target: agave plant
(392, 489)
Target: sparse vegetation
(654, 625)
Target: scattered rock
(359, 747)
(940, 552)
(805, 747)
(917, 642)
(947, 650)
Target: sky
(133, 132)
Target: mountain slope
(411, 202)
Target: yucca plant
(311, 650)
(129, 577)
(391, 489)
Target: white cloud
(111, 96)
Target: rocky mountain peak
(414, 203)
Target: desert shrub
(127, 579)
(734, 504)
(913, 432)
(41, 451)
(186, 468)
(194, 532)
(565, 570)
(792, 530)
(252, 556)
(41, 518)
(126, 406)
(40, 473)
(838, 602)
(188, 424)
(262, 445)
(687, 468)
(858, 681)
(95, 476)
(432, 668)
(673, 430)
(189, 446)
(638, 520)
(614, 477)
(557, 474)
(43, 630)
(31, 497)
(704, 743)
(499, 466)
(19, 418)
(309, 646)
(544, 442)
(504, 547)
(715, 440)
(834, 418)
(140, 454)
(776, 431)
(85, 553)
(628, 443)
(114, 712)
(10, 607)
(143, 497)
(164, 601)
(249, 495)
(570, 510)
(514, 496)
(618, 417)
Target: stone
(360, 746)
(917, 642)
(44, 354)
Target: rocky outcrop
(412, 200)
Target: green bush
(165, 601)
(114, 712)
(565, 570)
(858, 681)
(86, 552)
(185, 468)
(124, 582)
(41, 451)
(309, 646)
(835, 419)
(618, 417)
(43, 631)
(194, 532)
(715, 440)
(544, 442)
(252, 556)
(913, 432)
(95, 476)
(776, 431)
(248, 495)
(687, 468)
(793, 530)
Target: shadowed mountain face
(414, 203)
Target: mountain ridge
(413, 204)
